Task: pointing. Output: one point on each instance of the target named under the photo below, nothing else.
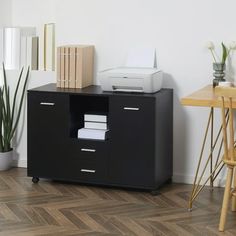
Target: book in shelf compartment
(95, 117)
(95, 125)
(95, 134)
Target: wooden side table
(205, 97)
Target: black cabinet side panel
(164, 136)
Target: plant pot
(6, 160)
(219, 73)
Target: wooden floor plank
(61, 209)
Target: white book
(92, 134)
(95, 118)
(95, 125)
(49, 47)
(12, 48)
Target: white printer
(130, 79)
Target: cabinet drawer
(85, 170)
(89, 150)
(89, 160)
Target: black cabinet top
(90, 90)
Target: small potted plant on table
(219, 64)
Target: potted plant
(219, 64)
(9, 116)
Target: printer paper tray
(127, 89)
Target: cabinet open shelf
(80, 105)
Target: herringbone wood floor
(56, 209)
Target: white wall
(5, 12)
(177, 29)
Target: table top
(204, 97)
(93, 90)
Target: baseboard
(20, 163)
(189, 179)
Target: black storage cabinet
(137, 154)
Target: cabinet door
(132, 141)
(47, 134)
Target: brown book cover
(79, 67)
(34, 58)
(62, 67)
(72, 68)
(67, 68)
(58, 67)
(88, 66)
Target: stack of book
(95, 127)
(75, 66)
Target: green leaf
(225, 53)
(15, 96)
(20, 105)
(7, 112)
(1, 120)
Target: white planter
(6, 160)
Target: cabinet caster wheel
(35, 180)
(155, 193)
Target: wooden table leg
(233, 207)
(214, 171)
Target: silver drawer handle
(88, 171)
(47, 103)
(131, 108)
(88, 150)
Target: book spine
(88, 57)
(62, 67)
(95, 118)
(34, 56)
(58, 67)
(49, 47)
(72, 68)
(67, 51)
(41, 48)
(92, 134)
(79, 67)
(95, 125)
(12, 48)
